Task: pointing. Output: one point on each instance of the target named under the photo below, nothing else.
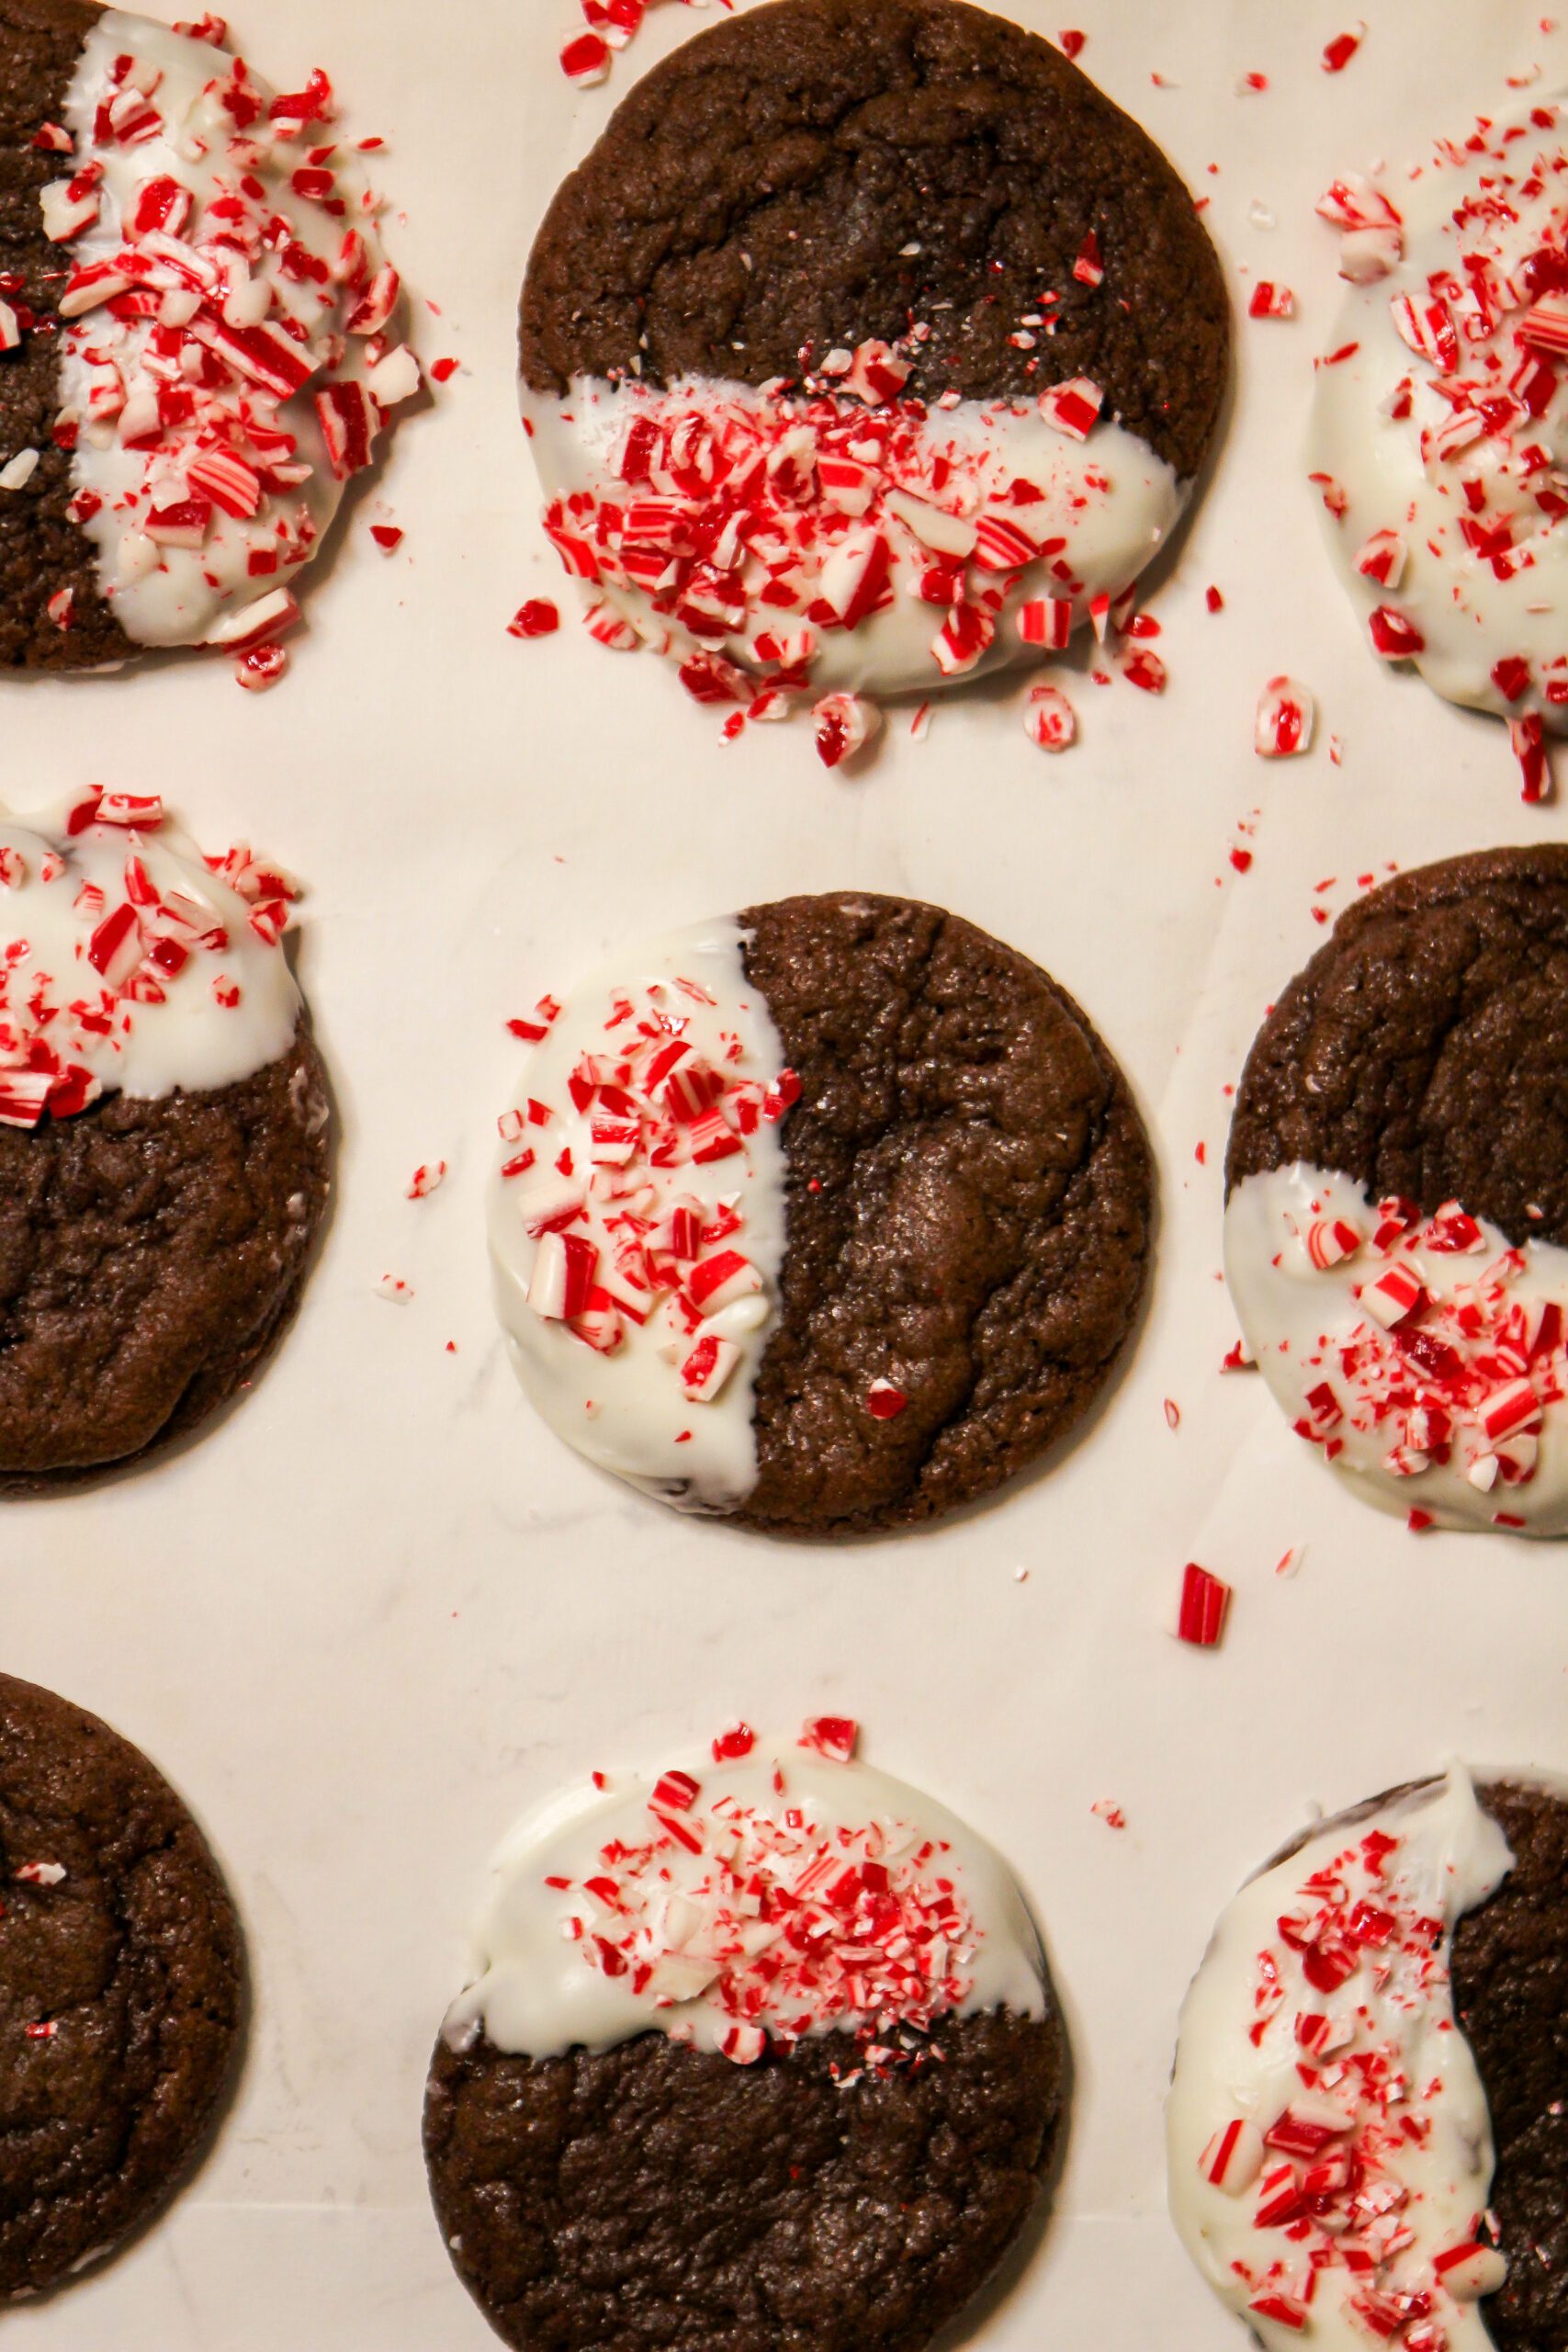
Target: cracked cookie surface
(117, 1932)
(654, 2194)
(1422, 1050)
(152, 1252)
(969, 1208)
(817, 173)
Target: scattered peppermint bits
(747, 534)
(1205, 1604)
(227, 355)
(782, 1924)
(1447, 431)
(585, 57)
(1353, 2192)
(1049, 718)
(1342, 49)
(394, 1290)
(1433, 1350)
(883, 1402)
(1272, 301)
(426, 1179)
(600, 1181)
(1285, 715)
(101, 921)
(1105, 1809)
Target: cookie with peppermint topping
(760, 2051)
(163, 1144)
(122, 1989)
(1365, 2126)
(198, 339)
(830, 1216)
(1397, 1222)
(1440, 404)
(870, 347)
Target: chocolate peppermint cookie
(1438, 426)
(1398, 1194)
(1366, 2125)
(163, 1151)
(195, 339)
(869, 348)
(759, 2053)
(120, 1988)
(831, 1216)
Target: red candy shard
(1205, 1601)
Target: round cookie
(1397, 1227)
(163, 1147)
(871, 1249)
(120, 1988)
(870, 345)
(185, 387)
(1437, 431)
(1372, 2073)
(812, 2140)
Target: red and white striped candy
(1393, 635)
(1382, 558)
(1392, 1298)
(716, 1282)
(1234, 2157)
(562, 1276)
(834, 1736)
(1046, 621)
(704, 1370)
(843, 724)
(1330, 1241)
(1513, 1405)
(1354, 203)
(1526, 735)
(1284, 721)
(1049, 719)
(1272, 301)
(1426, 327)
(1072, 407)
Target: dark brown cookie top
(969, 1198)
(1510, 1977)
(818, 172)
(655, 2195)
(1422, 1051)
(151, 1253)
(133, 1961)
(42, 550)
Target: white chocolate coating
(537, 1990)
(1308, 1330)
(1239, 2056)
(628, 1410)
(230, 1008)
(1108, 503)
(1396, 478)
(169, 595)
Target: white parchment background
(380, 1609)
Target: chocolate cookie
(832, 1216)
(817, 173)
(120, 1988)
(1399, 1139)
(141, 163)
(870, 347)
(745, 2186)
(159, 1196)
(1478, 1951)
